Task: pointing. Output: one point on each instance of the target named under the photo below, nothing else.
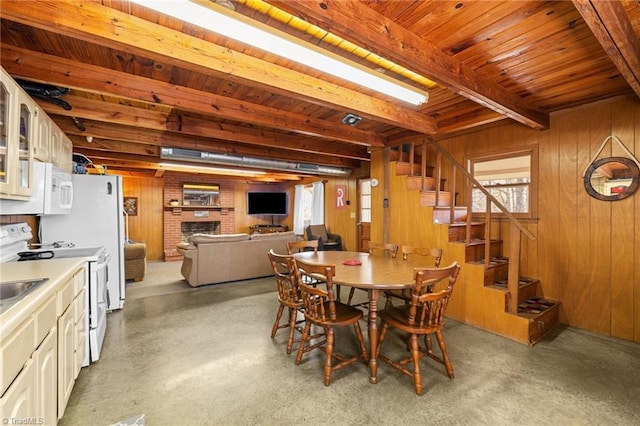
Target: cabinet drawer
(15, 350)
(79, 280)
(65, 296)
(45, 318)
(79, 305)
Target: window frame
(360, 200)
(532, 151)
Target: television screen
(271, 203)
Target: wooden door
(364, 235)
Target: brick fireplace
(219, 220)
(189, 228)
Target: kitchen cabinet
(19, 114)
(71, 324)
(46, 370)
(66, 359)
(4, 137)
(61, 149)
(80, 328)
(19, 400)
(42, 144)
(41, 354)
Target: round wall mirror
(612, 178)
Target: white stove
(14, 248)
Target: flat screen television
(268, 203)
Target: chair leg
(303, 342)
(276, 325)
(353, 289)
(389, 303)
(363, 349)
(293, 315)
(329, 351)
(445, 355)
(384, 327)
(415, 355)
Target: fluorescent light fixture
(212, 170)
(168, 153)
(223, 23)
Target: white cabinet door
(42, 143)
(66, 359)
(81, 331)
(46, 362)
(18, 402)
(18, 131)
(27, 133)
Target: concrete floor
(185, 356)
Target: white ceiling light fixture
(223, 22)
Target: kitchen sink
(12, 290)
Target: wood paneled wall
(587, 252)
(146, 226)
(341, 221)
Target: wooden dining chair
(423, 316)
(288, 295)
(376, 249)
(302, 245)
(431, 255)
(322, 309)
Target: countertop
(57, 270)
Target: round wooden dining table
(373, 273)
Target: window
(307, 204)
(365, 200)
(508, 178)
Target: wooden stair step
(475, 252)
(414, 183)
(443, 215)
(405, 169)
(523, 283)
(543, 321)
(458, 231)
(428, 199)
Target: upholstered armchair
(326, 240)
(135, 261)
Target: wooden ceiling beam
(119, 138)
(357, 22)
(113, 29)
(58, 71)
(141, 118)
(610, 24)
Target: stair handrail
(482, 189)
(515, 224)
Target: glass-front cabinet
(4, 123)
(18, 132)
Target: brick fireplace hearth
(222, 217)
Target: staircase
(490, 293)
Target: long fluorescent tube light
(213, 170)
(243, 32)
(168, 153)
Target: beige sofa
(210, 259)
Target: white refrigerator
(96, 219)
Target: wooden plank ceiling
(140, 80)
